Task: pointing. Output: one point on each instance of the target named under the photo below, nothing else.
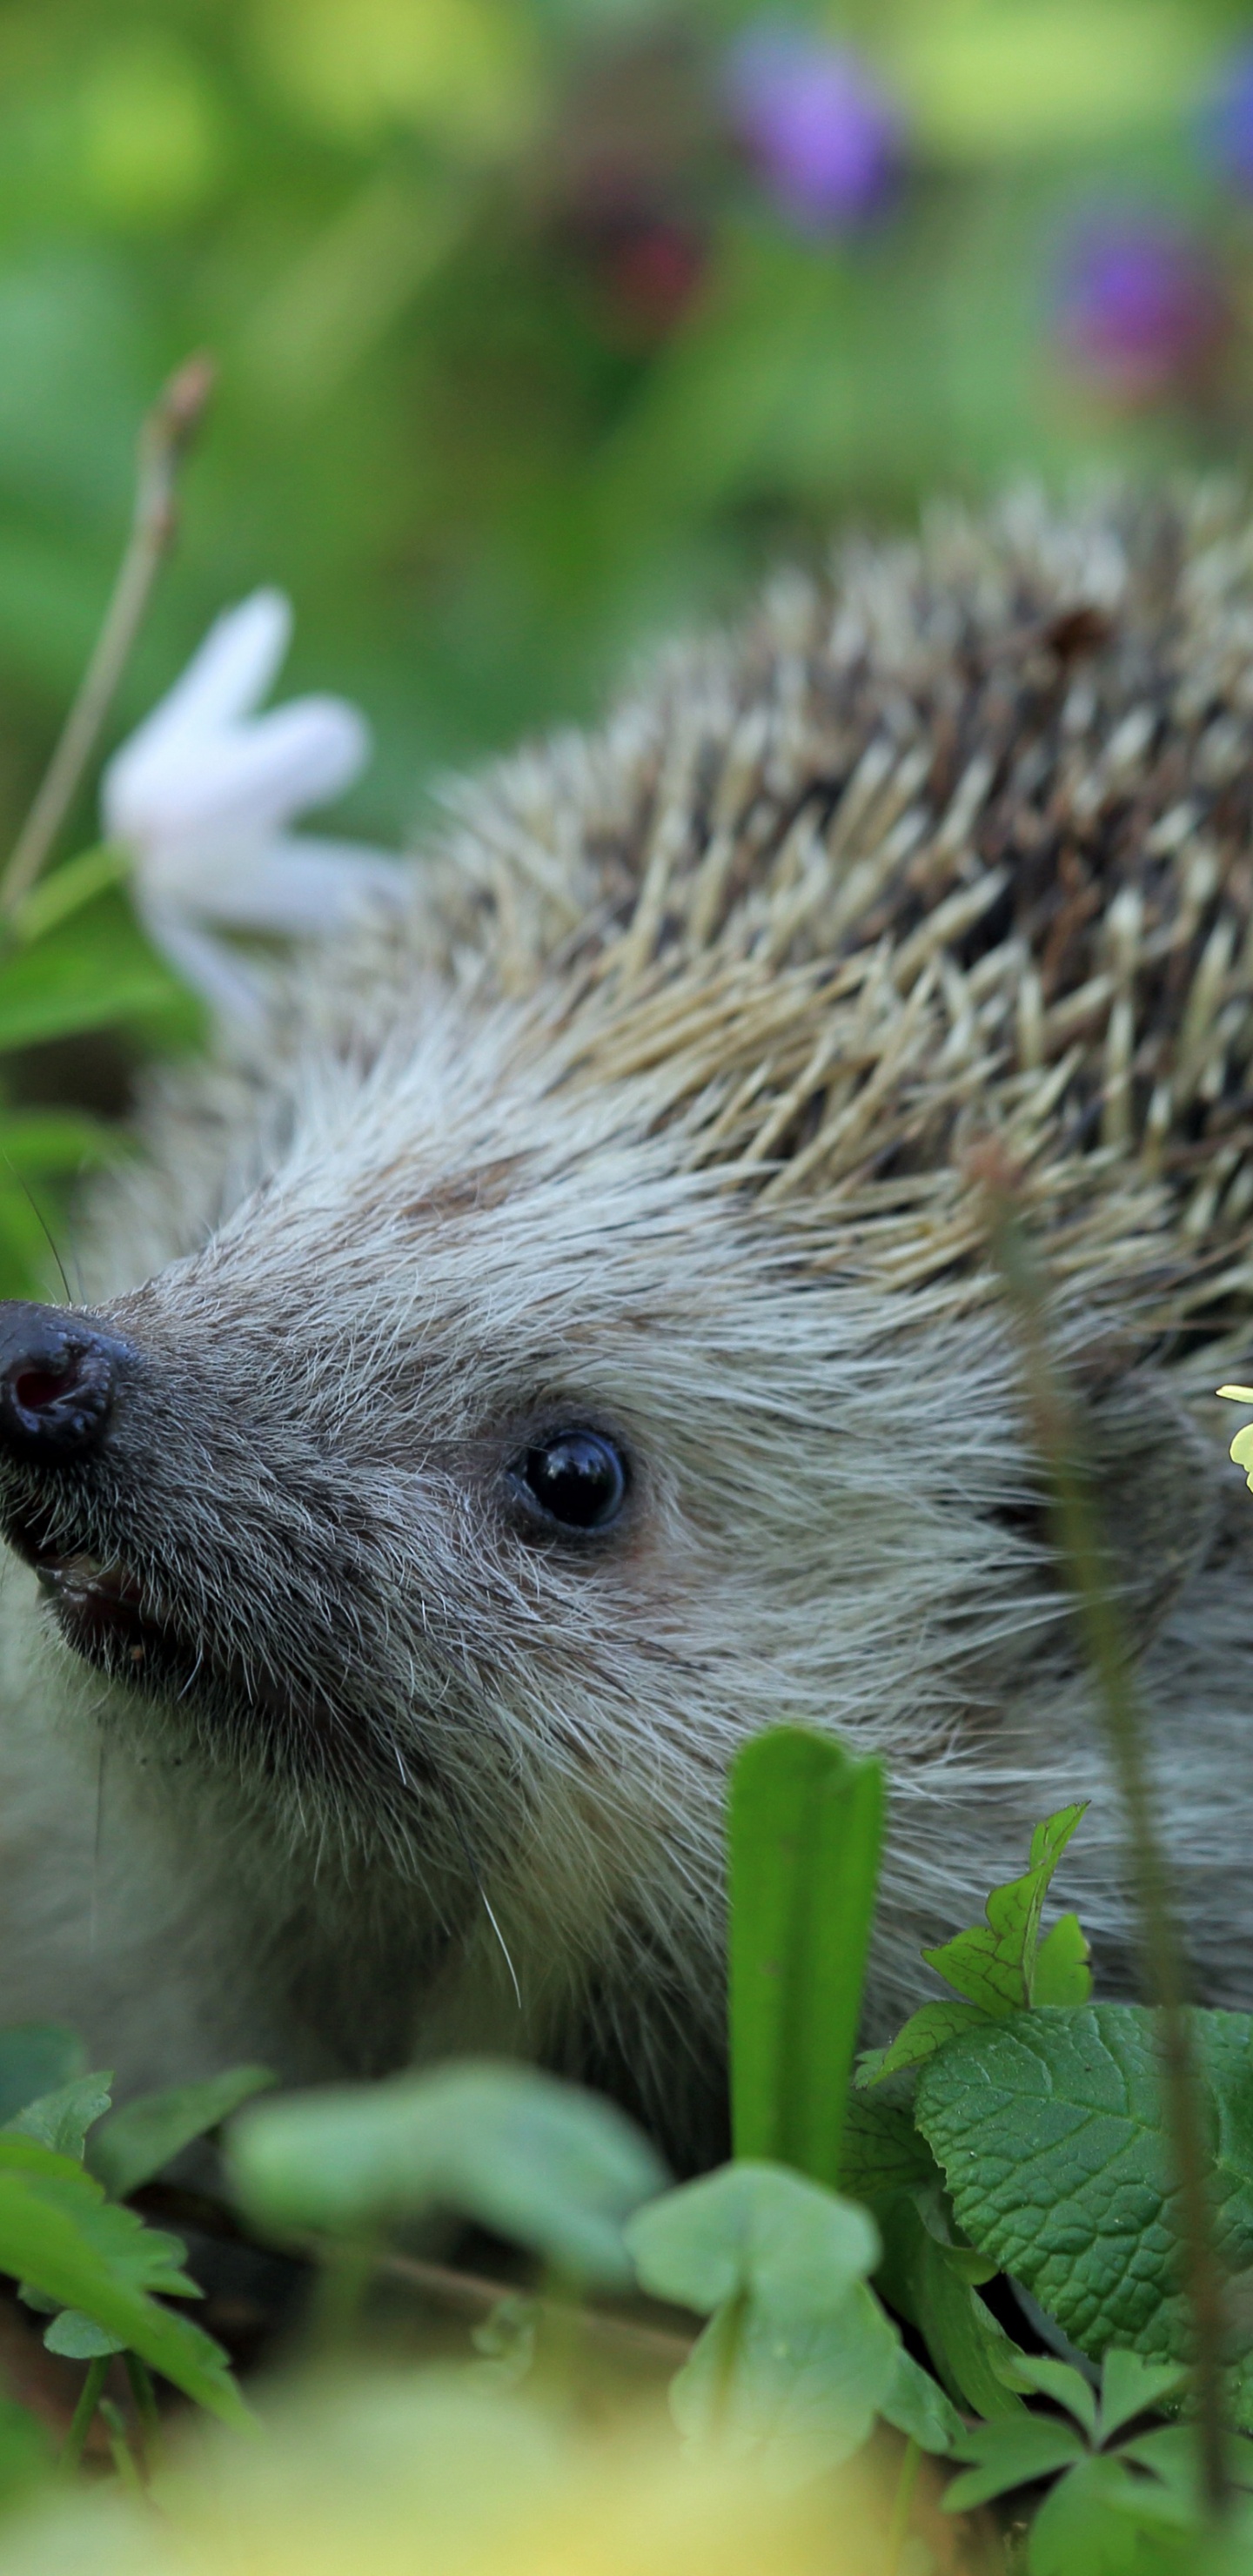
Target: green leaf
(36, 2057)
(1091, 2522)
(918, 2407)
(931, 2027)
(58, 2232)
(753, 2229)
(34, 1142)
(925, 2281)
(88, 971)
(1050, 2131)
(993, 1965)
(763, 2380)
(1010, 2454)
(1062, 1974)
(1000, 1966)
(882, 2151)
(1048, 2377)
(1172, 2453)
(540, 2162)
(79, 2338)
(60, 2120)
(1132, 2386)
(806, 1827)
(146, 2134)
(799, 2353)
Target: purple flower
(1141, 306)
(1227, 125)
(825, 139)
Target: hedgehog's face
(479, 1444)
(432, 1467)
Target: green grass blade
(806, 1827)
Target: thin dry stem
(164, 439)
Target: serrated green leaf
(1009, 2454)
(60, 2120)
(58, 2232)
(993, 1964)
(931, 2027)
(1050, 2131)
(753, 2230)
(805, 1830)
(36, 2057)
(540, 2162)
(146, 2134)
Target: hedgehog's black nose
(57, 1375)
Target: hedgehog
(565, 1343)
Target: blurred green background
(531, 346)
(543, 326)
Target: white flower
(202, 795)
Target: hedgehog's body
(657, 1123)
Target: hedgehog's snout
(58, 1377)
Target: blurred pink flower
(825, 138)
(1141, 306)
(202, 795)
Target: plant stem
(1087, 1567)
(141, 2387)
(120, 2451)
(80, 2421)
(164, 439)
(902, 2506)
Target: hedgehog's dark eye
(578, 1479)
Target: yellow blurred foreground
(400, 2476)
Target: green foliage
(139, 2140)
(1001, 1966)
(1051, 2133)
(97, 2269)
(540, 2162)
(72, 960)
(61, 2119)
(805, 1830)
(798, 2355)
(1112, 2497)
(59, 2234)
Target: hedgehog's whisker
(485, 1901)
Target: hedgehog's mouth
(104, 1610)
(99, 1611)
(99, 1604)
